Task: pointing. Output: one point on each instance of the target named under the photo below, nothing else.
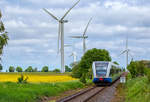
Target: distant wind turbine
(84, 37)
(61, 33)
(74, 54)
(127, 53)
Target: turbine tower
(84, 37)
(61, 33)
(127, 53)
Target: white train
(105, 72)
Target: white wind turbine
(127, 53)
(61, 33)
(84, 37)
(74, 54)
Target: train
(105, 72)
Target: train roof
(107, 62)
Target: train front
(100, 73)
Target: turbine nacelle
(85, 37)
(63, 21)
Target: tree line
(31, 69)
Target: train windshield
(101, 69)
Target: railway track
(85, 95)
(82, 96)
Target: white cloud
(18, 10)
(15, 24)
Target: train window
(114, 70)
(101, 69)
(100, 73)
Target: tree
(11, 69)
(116, 62)
(19, 69)
(136, 68)
(1, 67)
(35, 70)
(45, 69)
(3, 36)
(29, 69)
(86, 61)
(56, 70)
(67, 69)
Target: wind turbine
(61, 33)
(74, 54)
(84, 37)
(127, 53)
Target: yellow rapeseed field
(36, 78)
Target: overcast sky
(33, 33)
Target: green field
(13, 92)
(33, 92)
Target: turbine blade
(76, 36)
(67, 45)
(87, 27)
(51, 14)
(70, 9)
(59, 31)
(123, 52)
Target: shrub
(11, 69)
(35, 70)
(83, 78)
(45, 69)
(22, 80)
(147, 73)
(19, 69)
(67, 69)
(76, 71)
(56, 70)
(29, 69)
(136, 68)
(1, 67)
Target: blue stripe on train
(107, 80)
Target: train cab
(104, 72)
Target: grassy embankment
(31, 92)
(13, 92)
(135, 90)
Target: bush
(136, 68)
(1, 67)
(45, 69)
(56, 70)
(11, 69)
(67, 69)
(147, 72)
(19, 69)
(83, 78)
(76, 72)
(29, 69)
(35, 70)
(22, 80)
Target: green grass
(137, 90)
(13, 92)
